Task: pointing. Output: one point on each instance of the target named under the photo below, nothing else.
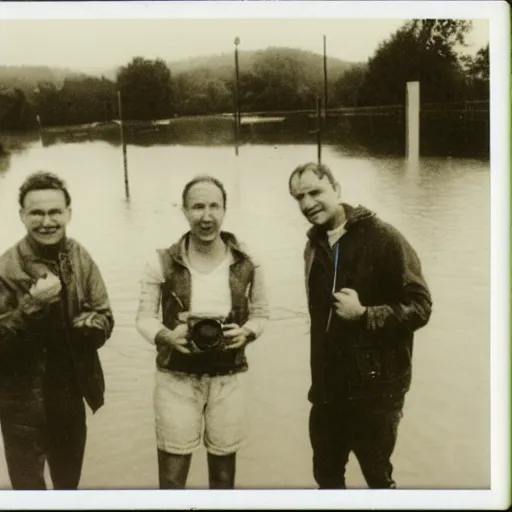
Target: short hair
(320, 170)
(42, 180)
(204, 179)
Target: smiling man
(54, 316)
(366, 297)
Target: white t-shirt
(335, 234)
(210, 291)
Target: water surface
(441, 206)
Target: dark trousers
(368, 428)
(52, 429)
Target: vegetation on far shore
(275, 79)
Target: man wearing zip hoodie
(366, 298)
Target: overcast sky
(91, 44)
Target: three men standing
(366, 297)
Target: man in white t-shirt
(199, 393)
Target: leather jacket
(24, 324)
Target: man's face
(45, 215)
(204, 210)
(318, 199)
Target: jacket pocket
(369, 363)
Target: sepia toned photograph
(337, 175)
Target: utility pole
(123, 145)
(237, 98)
(325, 79)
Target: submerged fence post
(40, 127)
(319, 129)
(412, 121)
(325, 79)
(123, 144)
(237, 98)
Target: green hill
(223, 64)
(220, 66)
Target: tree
(50, 106)
(88, 99)
(442, 37)
(478, 67)
(421, 50)
(81, 99)
(347, 89)
(146, 88)
(199, 91)
(277, 81)
(16, 113)
(477, 72)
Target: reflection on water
(441, 205)
(5, 162)
(363, 134)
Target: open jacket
(169, 290)
(24, 324)
(370, 356)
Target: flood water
(442, 206)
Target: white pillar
(412, 121)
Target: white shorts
(191, 408)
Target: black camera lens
(207, 334)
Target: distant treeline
(275, 79)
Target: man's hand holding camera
(177, 338)
(235, 336)
(347, 305)
(229, 337)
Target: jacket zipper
(336, 255)
(328, 325)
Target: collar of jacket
(353, 215)
(178, 250)
(30, 249)
(317, 233)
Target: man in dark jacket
(54, 316)
(366, 298)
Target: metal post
(40, 126)
(123, 145)
(237, 98)
(325, 79)
(412, 121)
(319, 129)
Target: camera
(206, 331)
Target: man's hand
(47, 289)
(89, 320)
(347, 305)
(176, 338)
(235, 336)
(92, 326)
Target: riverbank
(459, 131)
